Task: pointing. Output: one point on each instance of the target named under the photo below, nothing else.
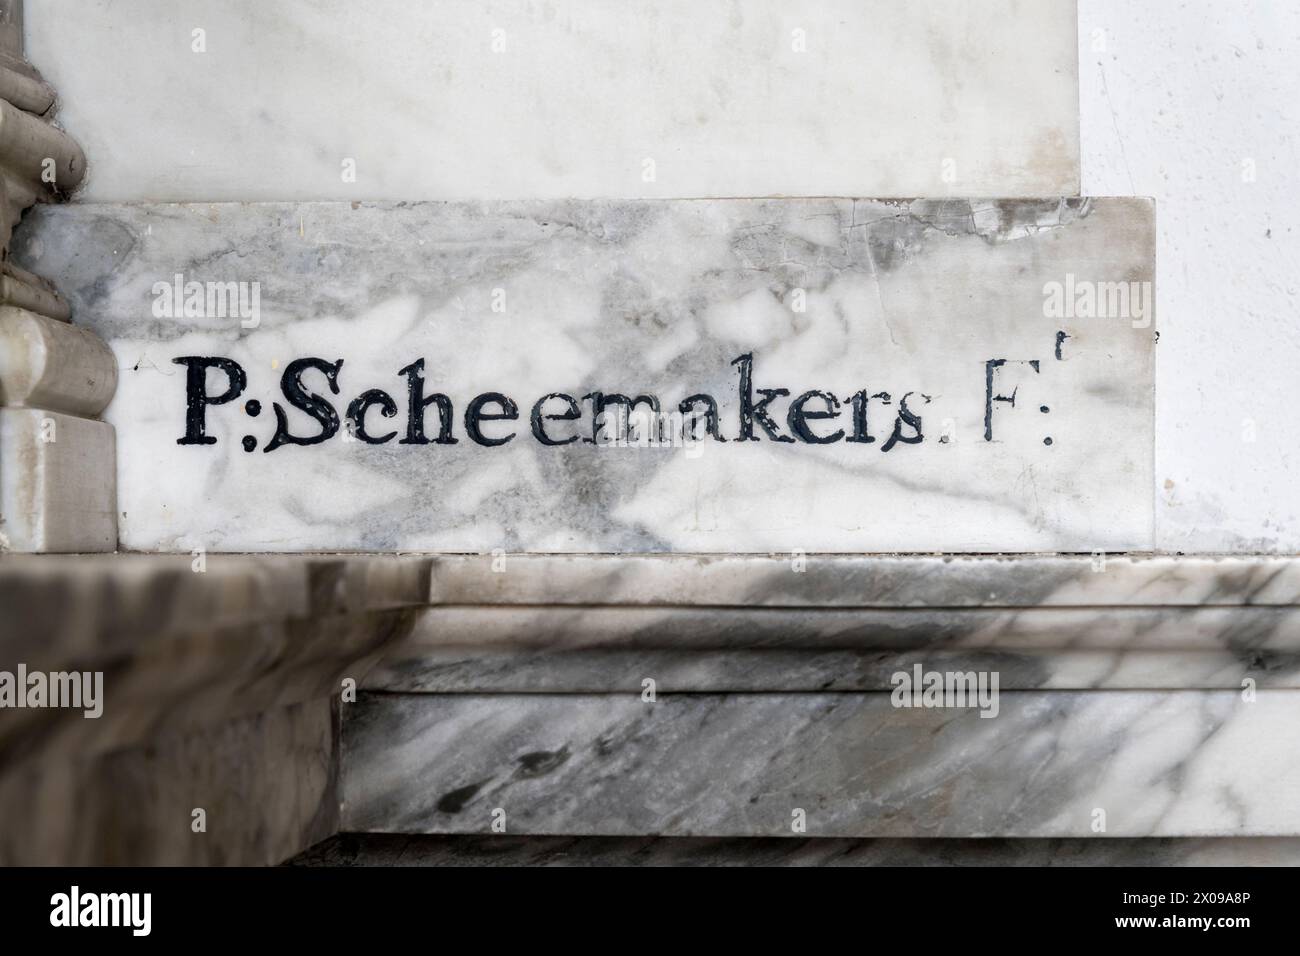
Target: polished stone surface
(851, 297)
(92, 606)
(266, 782)
(557, 734)
(189, 642)
(199, 679)
(383, 849)
(1175, 763)
(457, 99)
(796, 580)
(418, 667)
(1243, 630)
(219, 674)
(744, 623)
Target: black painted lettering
(539, 418)
(417, 403)
(861, 400)
(624, 409)
(905, 417)
(750, 411)
(314, 405)
(197, 398)
(800, 415)
(475, 415)
(361, 404)
(690, 418)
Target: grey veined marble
(833, 375)
(357, 849)
(1050, 764)
(799, 580)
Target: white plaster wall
(1184, 101)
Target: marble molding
(1244, 630)
(266, 783)
(798, 580)
(887, 300)
(185, 643)
(219, 678)
(203, 668)
(462, 669)
(199, 679)
(1165, 764)
(1161, 690)
(384, 849)
(79, 606)
(449, 99)
(747, 623)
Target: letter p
(196, 393)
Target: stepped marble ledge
(189, 642)
(267, 782)
(884, 581)
(413, 667)
(388, 849)
(748, 623)
(894, 315)
(1179, 763)
(1246, 630)
(97, 607)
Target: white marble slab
(892, 302)
(448, 99)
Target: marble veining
(809, 580)
(385, 849)
(1242, 630)
(1184, 763)
(462, 669)
(962, 413)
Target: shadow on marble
(382, 849)
(1048, 764)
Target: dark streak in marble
(1158, 763)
